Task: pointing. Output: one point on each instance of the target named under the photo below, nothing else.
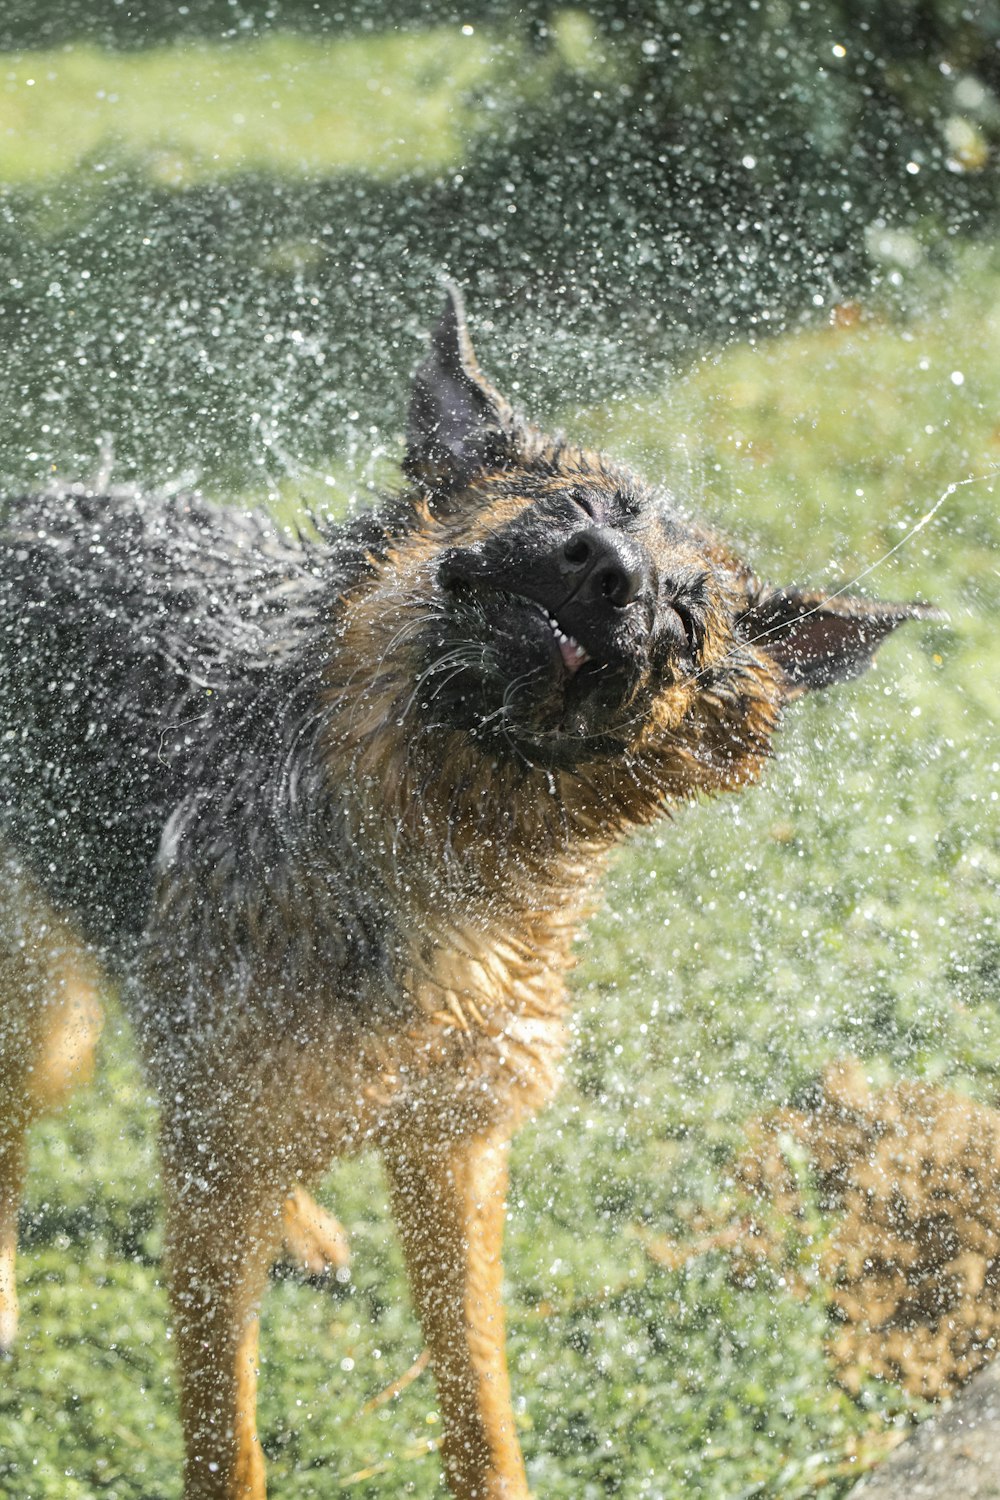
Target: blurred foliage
(730, 162)
(135, 24)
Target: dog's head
(574, 620)
(578, 614)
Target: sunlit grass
(383, 103)
(829, 446)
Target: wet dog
(331, 810)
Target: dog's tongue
(573, 654)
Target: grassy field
(848, 906)
(194, 111)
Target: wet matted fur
(332, 811)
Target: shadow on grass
(129, 1231)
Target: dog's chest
(476, 1038)
(485, 1027)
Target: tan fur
(312, 1240)
(51, 1021)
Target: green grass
(384, 103)
(287, 104)
(848, 905)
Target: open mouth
(515, 677)
(573, 654)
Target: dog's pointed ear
(819, 639)
(458, 423)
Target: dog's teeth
(573, 654)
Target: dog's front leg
(449, 1206)
(223, 1223)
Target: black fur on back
(154, 651)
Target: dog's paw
(314, 1242)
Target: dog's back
(142, 638)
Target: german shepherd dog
(331, 810)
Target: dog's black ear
(818, 639)
(458, 423)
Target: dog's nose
(602, 566)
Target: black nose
(602, 565)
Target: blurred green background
(749, 247)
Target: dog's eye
(587, 504)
